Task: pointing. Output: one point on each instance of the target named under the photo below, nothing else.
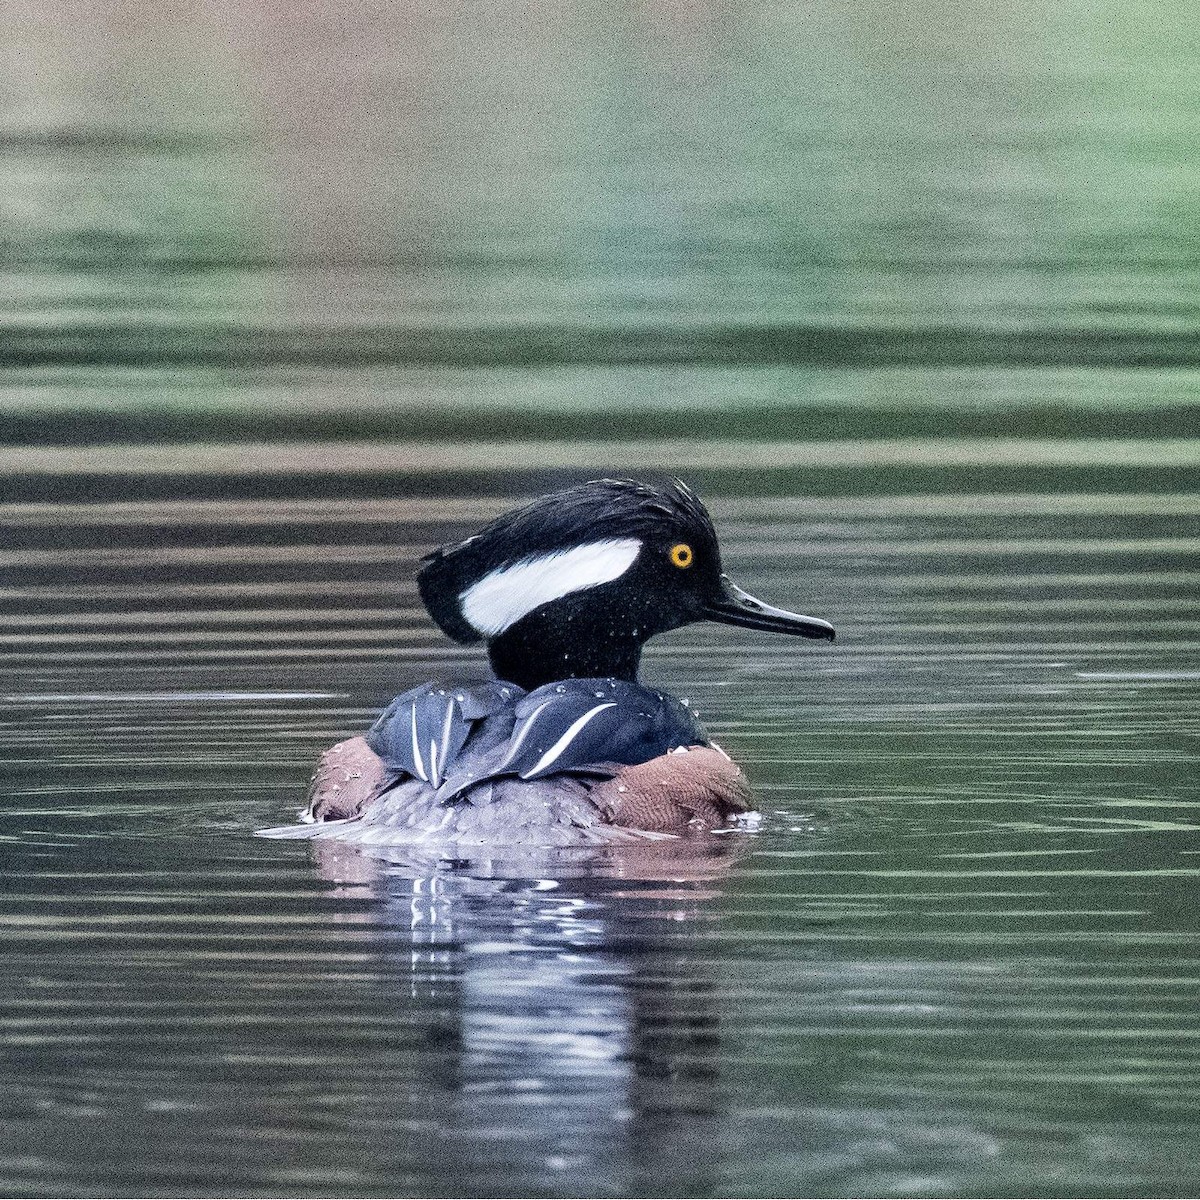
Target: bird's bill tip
(736, 607)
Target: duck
(564, 745)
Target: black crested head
(608, 513)
(573, 583)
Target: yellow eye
(681, 554)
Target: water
(908, 294)
(957, 958)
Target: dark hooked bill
(735, 607)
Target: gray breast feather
(454, 739)
(502, 812)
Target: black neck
(531, 655)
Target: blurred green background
(442, 220)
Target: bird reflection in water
(579, 1006)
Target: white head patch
(504, 596)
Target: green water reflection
(812, 180)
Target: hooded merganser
(564, 746)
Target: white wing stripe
(519, 740)
(418, 761)
(447, 725)
(502, 597)
(552, 755)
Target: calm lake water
(909, 294)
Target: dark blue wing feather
(581, 723)
(422, 732)
(454, 738)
